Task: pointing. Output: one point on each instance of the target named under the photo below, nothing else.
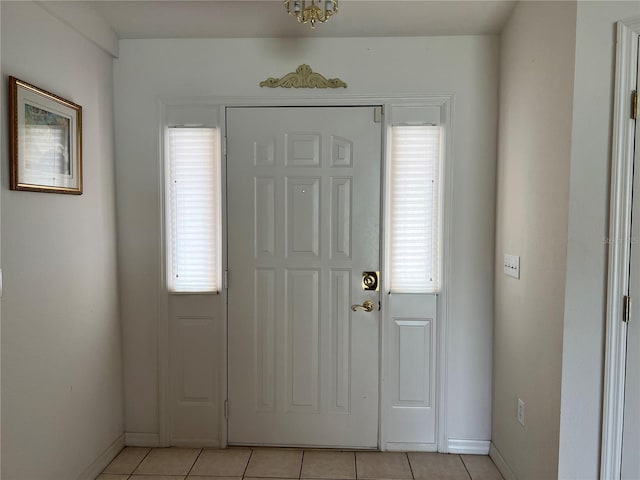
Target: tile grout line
(410, 466)
(355, 463)
(301, 463)
(194, 463)
(244, 472)
(140, 462)
(465, 467)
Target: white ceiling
(267, 18)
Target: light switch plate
(512, 265)
(520, 414)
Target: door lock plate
(370, 281)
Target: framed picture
(45, 148)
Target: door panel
(303, 224)
(411, 371)
(194, 331)
(631, 427)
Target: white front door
(631, 426)
(303, 193)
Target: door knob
(367, 306)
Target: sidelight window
(414, 208)
(193, 210)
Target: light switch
(512, 265)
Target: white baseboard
(468, 447)
(133, 439)
(99, 464)
(195, 443)
(503, 466)
(410, 447)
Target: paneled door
(303, 193)
(630, 469)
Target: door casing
(444, 104)
(628, 33)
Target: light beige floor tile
(382, 466)
(274, 463)
(109, 476)
(333, 465)
(222, 463)
(168, 461)
(437, 466)
(481, 467)
(127, 460)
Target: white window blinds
(193, 210)
(414, 261)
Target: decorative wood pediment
(303, 77)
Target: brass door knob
(366, 306)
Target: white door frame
(628, 32)
(445, 103)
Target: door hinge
(626, 309)
(634, 105)
(224, 145)
(225, 279)
(226, 409)
(378, 112)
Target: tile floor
(286, 463)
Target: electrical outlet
(520, 414)
(512, 265)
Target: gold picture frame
(45, 147)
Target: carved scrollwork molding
(303, 77)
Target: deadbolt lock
(370, 281)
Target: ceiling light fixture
(311, 11)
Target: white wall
(61, 340)
(534, 151)
(465, 67)
(585, 294)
